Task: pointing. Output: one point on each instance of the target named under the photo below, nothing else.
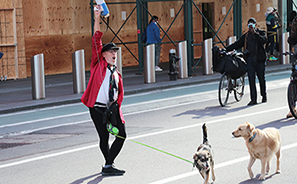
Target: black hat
(109, 46)
(252, 20)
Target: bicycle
(228, 84)
(292, 88)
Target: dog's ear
(250, 127)
(195, 157)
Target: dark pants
(272, 40)
(256, 68)
(157, 53)
(109, 153)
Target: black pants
(109, 153)
(256, 68)
(272, 40)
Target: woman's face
(110, 56)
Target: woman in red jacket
(105, 87)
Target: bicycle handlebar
(225, 53)
(287, 53)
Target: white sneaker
(158, 69)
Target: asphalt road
(60, 145)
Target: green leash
(114, 131)
(162, 151)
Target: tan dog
(203, 158)
(261, 144)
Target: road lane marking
(45, 128)
(125, 114)
(217, 166)
(44, 119)
(129, 105)
(140, 136)
(145, 93)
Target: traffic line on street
(47, 156)
(217, 166)
(140, 136)
(125, 106)
(44, 119)
(45, 128)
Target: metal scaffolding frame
(141, 8)
(216, 32)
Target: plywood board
(57, 52)
(59, 28)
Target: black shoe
(111, 171)
(264, 99)
(252, 103)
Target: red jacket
(98, 71)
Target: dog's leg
(278, 162)
(263, 163)
(268, 166)
(206, 177)
(249, 168)
(202, 174)
(212, 171)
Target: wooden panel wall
(9, 60)
(249, 8)
(128, 32)
(58, 28)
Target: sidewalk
(16, 95)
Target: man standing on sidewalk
(253, 43)
(272, 27)
(153, 37)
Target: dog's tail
(204, 129)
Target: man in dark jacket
(253, 43)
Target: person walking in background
(272, 27)
(153, 37)
(293, 48)
(105, 87)
(253, 43)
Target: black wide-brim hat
(109, 46)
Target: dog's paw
(213, 178)
(251, 175)
(262, 177)
(278, 172)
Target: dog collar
(252, 138)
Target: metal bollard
(37, 76)
(78, 71)
(285, 59)
(207, 57)
(173, 59)
(119, 60)
(149, 64)
(230, 40)
(181, 49)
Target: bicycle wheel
(239, 88)
(224, 89)
(292, 98)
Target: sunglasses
(112, 51)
